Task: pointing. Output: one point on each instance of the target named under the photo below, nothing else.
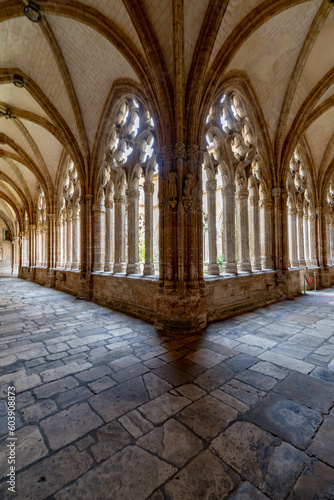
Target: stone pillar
(300, 236)
(99, 237)
(331, 242)
(133, 266)
(306, 237)
(38, 247)
(313, 238)
(120, 264)
(50, 246)
(32, 243)
(241, 198)
(266, 234)
(148, 190)
(279, 221)
(254, 232)
(64, 242)
(76, 242)
(58, 243)
(229, 265)
(109, 243)
(69, 240)
(322, 239)
(211, 186)
(293, 238)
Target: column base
(98, 268)
(256, 265)
(267, 264)
(133, 268)
(149, 270)
(75, 266)
(120, 268)
(213, 269)
(229, 268)
(108, 268)
(244, 267)
(293, 263)
(181, 313)
(302, 263)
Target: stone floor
(108, 408)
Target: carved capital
(266, 203)
(319, 210)
(132, 193)
(98, 208)
(109, 204)
(254, 201)
(211, 185)
(120, 198)
(149, 187)
(228, 190)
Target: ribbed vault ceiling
(73, 57)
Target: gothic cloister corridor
(109, 408)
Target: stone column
(58, 243)
(300, 236)
(50, 246)
(241, 198)
(293, 238)
(331, 242)
(133, 266)
(148, 190)
(99, 237)
(266, 233)
(322, 239)
(120, 264)
(279, 222)
(64, 241)
(109, 243)
(306, 237)
(229, 265)
(69, 240)
(254, 232)
(211, 186)
(76, 241)
(32, 234)
(38, 248)
(313, 238)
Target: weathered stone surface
(173, 442)
(270, 369)
(135, 423)
(38, 411)
(155, 385)
(120, 399)
(322, 445)
(205, 478)
(121, 476)
(163, 407)
(191, 391)
(243, 392)
(70, 424)
(47, 390)
(307, 390)
(214, 377)
(49, 475)
(241, 362)
(101, 384)
(316, 482)
(323, 374)
(258, 380)
(73, 396)
(247, 491)
(29, 447)
(229, 400)
(172, 375)
(110, 438)
(291, 421)
(287, 362)
(93, 373)
(63, 371)
(261, 458)
(119, 364)
(257, 341)
(206, 357)
(207, 416)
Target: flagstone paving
(109, 408)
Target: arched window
(125, 205)
(236, 192)
(69, 219)
(301, 214)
